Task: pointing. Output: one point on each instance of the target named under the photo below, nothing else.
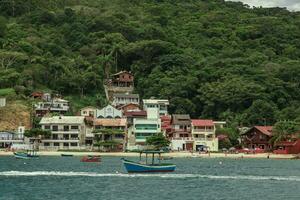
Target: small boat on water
(143, 167)
(91, 159)
(26, 155)
(66, 155)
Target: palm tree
(284, 130)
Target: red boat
(91, 159)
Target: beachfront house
(56, 105)
(204, 135)
(109, 112)
(121, 99)
(180, 134)
(161, 104)
(143, 127)
(257, 137)
(109, 134)
(67, 132)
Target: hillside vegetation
(210, 58)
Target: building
(204, 135)
(67, 132)
(2, 102)
(110, 133)
(88, 111)
(161, 104)
(121, 82)
(109, 112)
(143, 127)
(180, 134)
(257, 137)
(129, 107)
(291, 146)
(7, 139)
(124, 99)
(166, 127)
(60, 106)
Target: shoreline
(171, 154)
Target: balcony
(11, 139)
(70, 131)
(61, 140)
(203, 131)
(183, 138)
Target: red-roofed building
(204, 135)
(288, 147)
(258, 137)
(166, 123)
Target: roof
(267, 130)
(110, 122)
(126, 95)
(156, 101)
(135, 113)
(181, 119)
(130, 104)
(202, 122)
(63, 120)
(122, 72)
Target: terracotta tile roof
(267, 130)
(135, 113)
(110, 122)
(202, 122)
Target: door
(189, 146)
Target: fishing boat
(26, 155)
(66, 155)
(142, 167)
(91, 159)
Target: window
(75, 136)
(54, 128)
(84, 112)
(74, 144)
(47, 127)
(66, 144)
(56, 144)
(66, 128)
(74, 127)
(46, 144)
(55, 136)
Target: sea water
(64, 178)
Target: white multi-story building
(143, 128)
(204, 135)
(67, 132)
(120, 99)
(161, 104)
(54, 106)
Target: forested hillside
(211, 58)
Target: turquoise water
(64, 178)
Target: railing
(203, 130)
(66, 131)
(183, 138)
(60, 139)
(10, 138)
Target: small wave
(90, 174)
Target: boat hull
(24, 155)
(134, 167)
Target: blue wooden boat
(140, 167)
(26, 155)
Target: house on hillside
(109, 111)
(143, 127)
(67, 132)
(161, 104)
(56, 105)
(129, 107)
(121, 82)
(204, 135)
(2, 102)
(88, 111)
(258, 137)
(180, 134)
(120, 100)
(109, 134)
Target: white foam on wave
(91, 174)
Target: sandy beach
(171, 154)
